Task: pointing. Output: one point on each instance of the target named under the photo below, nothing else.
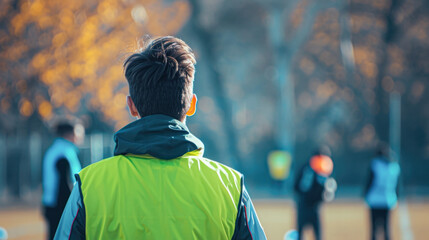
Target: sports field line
(404, 219)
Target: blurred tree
(329, 56)
(271, 74)
(60, 58)
(383, 75)
(290, 24)
(205, 35)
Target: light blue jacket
(60, 149)
(382, 190)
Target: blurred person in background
(60, 163)
(312, 186)
(3, 234)
(381, 190)
(158, 185)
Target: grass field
(341, 220)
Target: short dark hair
(323, 150)
(160, 77)
(63, 129)
(383, 150)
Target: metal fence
(21, 159)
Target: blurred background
(271, 75)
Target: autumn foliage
(65, 57)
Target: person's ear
(132, 107)
(193, 108)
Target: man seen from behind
(158, 185)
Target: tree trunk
(381, 110)
(205, 38)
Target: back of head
(323, 150)
(64, 129)
(383, 150)
(160, 77)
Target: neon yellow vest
(141, 197)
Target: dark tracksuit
(53, 214)
(309, 188)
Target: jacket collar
(158, 135)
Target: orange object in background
(322, 165)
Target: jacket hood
(158, 135)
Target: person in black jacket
(158, 185)
(59, 164)
(312, 186)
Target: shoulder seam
(102, 161)
(223, 165)
(79, 182)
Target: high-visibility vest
(142, 197)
